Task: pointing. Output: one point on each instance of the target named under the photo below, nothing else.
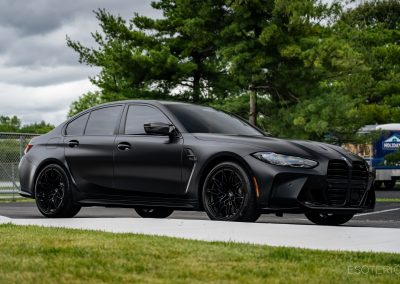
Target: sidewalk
(302, 236)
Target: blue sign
(392, 143)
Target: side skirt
(140, 201)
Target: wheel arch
(212, 162)
(44, 164)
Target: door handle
(124, 146)
(73, 143)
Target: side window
(103, 121)
(77, 126)
(138, 115)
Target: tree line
(297, 68)
(13, 124)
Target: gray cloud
(45, 76)
(39, 75)
(35, 17)
(43, 16)
(34, 32)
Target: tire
(390, 184)
(378, 185)
(371, 200)
(53, 193)
(228, 194)
(158, 212)
(328, 219)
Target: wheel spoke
(50, 190)
(224, 193)
(215, 191)
(218, 183)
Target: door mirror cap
(159, 128)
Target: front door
(147, 163)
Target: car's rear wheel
(390, 184)
(328, 218)
(228, 194)
(378, 185)
(158, 212)
(53, 193)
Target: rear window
(77, 126)
(103, 121)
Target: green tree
(324, 81)
(374, 13)
(13, 124)
(37, 127)
(9, 124)
(373, 29)
(86, 101)
(287, 51)
(169, 58)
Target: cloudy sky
(39, 75)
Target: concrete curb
(4, 220)
(301, 236)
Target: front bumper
(332, 187)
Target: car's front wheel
(328, 219)
(53, 193)
(159, 212)
(228, 194)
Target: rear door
(89, 143)
(147, 163)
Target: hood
(306, 149)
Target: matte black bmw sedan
(158, 157)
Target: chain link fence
(12, 147)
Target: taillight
(27, 148)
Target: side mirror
(159, 128)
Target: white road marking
(377, 212)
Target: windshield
(199, 119)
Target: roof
(156, 101)
(153, 102)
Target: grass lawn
(10, 199)
(49, 255)
(388, 200)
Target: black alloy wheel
(228, 194)
(328, 218)
(378, 185)
(158, 212)
(53, 193)
(390, 184)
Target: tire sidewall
(158, 213)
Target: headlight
(284, 160)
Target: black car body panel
(119, 169)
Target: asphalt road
(386, 214)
